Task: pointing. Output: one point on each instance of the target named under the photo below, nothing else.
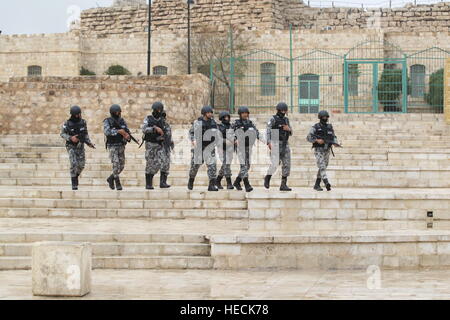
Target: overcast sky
(52, 16)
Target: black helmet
(75, 110)
(242, 110)
(207, 109)
(223, 115)
(323, 113)
(115, 108)
(158, 106)
(282, 106)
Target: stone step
(361, 204)
(122, 204)
(362, 180)
(157, 213)
(120, 249)
(123, 262)
(30, 236)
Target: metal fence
(372, 77)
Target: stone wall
(447, 91)
(262, 15)
(40, 105)
(57, 54)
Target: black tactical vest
(245, 126)
(154, 137)
(76, 128)
(223, 130)
(116, 124)
(278, 124)
(324, 132)
(207, 125)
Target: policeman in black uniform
(225, 150)
(158, 144)
(278, 132)
(204, 135)
(246, 134)
(117, 136)
(322, 136)
(74, 131)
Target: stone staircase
(394, 168)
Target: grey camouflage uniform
(226, 155)
(116, 150)
(208, 158)
(322, 154)
(284, 152)
(244, 153)
(156, 155)
(76, 153)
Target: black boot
(110, 181)
(149, 182)
(212, 185)
(237, 183)
(327, 184)
(163, 181)
(317, 185)
(229, 183)
(248, 187)
(267, 181)
(75, 183)
(191, 183)
(284, 186)
(118, 185)
(219, 182)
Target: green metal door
(375, 86)
(309, 93)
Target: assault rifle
(328, 143)
(82, 139)
(127, 131)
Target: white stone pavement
(219, 284)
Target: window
(417, 80)
(353, 75)
(34, 71)
(268, 79)
(160, 70)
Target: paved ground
(217, 284)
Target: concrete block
(61, 269)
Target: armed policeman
(323, 138)
(203, 135)
(225, 150)
(278, 131)
(117, 136)
(74, 131)
(158, 145)
(246, 134)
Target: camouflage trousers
(210, 161)
(283, 157)
(157, 157)
(244, 161)
(322, 157)
(77, 159)
(117, 156)
(226, 157)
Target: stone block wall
(447, 91)
(57, 54)
(40, 105)
(261, 15)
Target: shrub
(435, 96)
(86, 72)
(117, 70)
